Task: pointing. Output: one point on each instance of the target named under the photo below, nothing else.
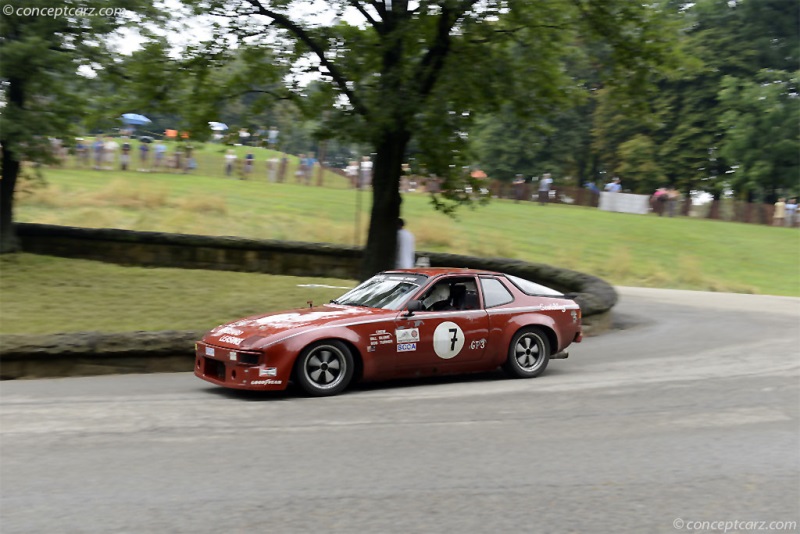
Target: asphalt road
(688, 413)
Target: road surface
(686, 416)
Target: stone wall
(88, 353)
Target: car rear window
(532, 288)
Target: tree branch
(338, 77)
(364, 13)
(431, 65)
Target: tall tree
(42, 46)
(703, 131)
(397, 70)
(762, 123)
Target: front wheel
(325, 368)
(528, 353)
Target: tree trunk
(8, 237)
(11, 166)
(379, 254)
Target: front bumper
(238, 369)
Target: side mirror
(413, 306)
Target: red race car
(404, 323)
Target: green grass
(624, 249)
(42, 294)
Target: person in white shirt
(544, 188)
(366, 172)
(404, 258)
(230, 161)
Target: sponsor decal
(407, 335)
(406, 347)
(268, 371)
(267, 382)
(230, 339)
(554, 307)
(228, 330)
(233, 356)
(381, 337)
(210, 351)
(574, 315)
(448, 340)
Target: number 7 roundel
(448, 340)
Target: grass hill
(624, 249)
(43, 294)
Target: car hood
(257, 330)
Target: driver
(438, 298)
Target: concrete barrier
(95, 353)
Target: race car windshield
(387, 291)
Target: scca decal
(406, 347)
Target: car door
(444, 337)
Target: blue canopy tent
(134, 119)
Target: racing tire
(324, 368)
(528, 353)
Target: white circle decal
(448, 340)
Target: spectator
(125, 157)
(230, 161)
(614, 186)
(545, 182)
(673, 196)
(81, 152)
(248, 162)
(366, 172)
(779, 215)
(110, 150)
(191, 163)
(404, 258)
(99, 147)
(351, 171)
(144, 152)
(272, 169)
(272, 137)
(300, 173)
(244, 136)
(791, 212)
(659, 200)
(309, 168)
(161, 151)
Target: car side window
(452, 294)
(495, 293)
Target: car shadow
(293, 391)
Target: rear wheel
(325, 368)
(528, 354)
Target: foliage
(762, 124)
(41, 53)
(729, 110)
(401, 75)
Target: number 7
(453, 340)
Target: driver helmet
(439, 293)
